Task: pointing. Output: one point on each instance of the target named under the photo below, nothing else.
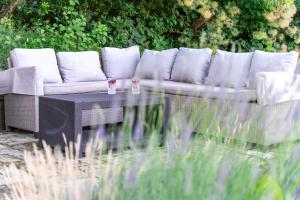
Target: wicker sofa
(272, 104)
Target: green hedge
(237, 25)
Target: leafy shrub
(72, 25)
(257, 24)
(71, 31)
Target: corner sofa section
(24, 82)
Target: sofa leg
(8, 129)
(35, 135)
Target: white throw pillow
(45, 59)
(272, 62)
(191, 65)
(120, 63)
(80, 66)
(229, 69)
(156, 64)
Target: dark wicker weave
(62, 114)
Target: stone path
(12, 146)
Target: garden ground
(12, 146)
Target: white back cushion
(45, 59)
(229, 69)
(272, 62)
(120, 63)
(156, 64)
(80, 66)
(191, 65)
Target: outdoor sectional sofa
(260, 87)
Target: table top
(104, 98)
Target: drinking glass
(112, 86)
(135, 86)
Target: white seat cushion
(156, 64)
(120, 63)
(191, 65)
(205, 91)
(42, 58)
(272, 62)
(83, 87)
(229, 69)
(80, 66)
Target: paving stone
(12, 139)
(22, 147)
(7, 159)
(11, 152)
(4, 190)
(1, 178)
(12, 146)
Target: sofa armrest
(26, 80)
(277, 87)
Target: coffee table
(52, 128)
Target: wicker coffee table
(52, 127)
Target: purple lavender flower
(297, 193)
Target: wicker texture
(273, 124)
(2, 124)
(99, 116)
(246, 121)
(22, 112)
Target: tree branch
(10, 8)
(199, 23)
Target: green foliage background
(71, 25)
